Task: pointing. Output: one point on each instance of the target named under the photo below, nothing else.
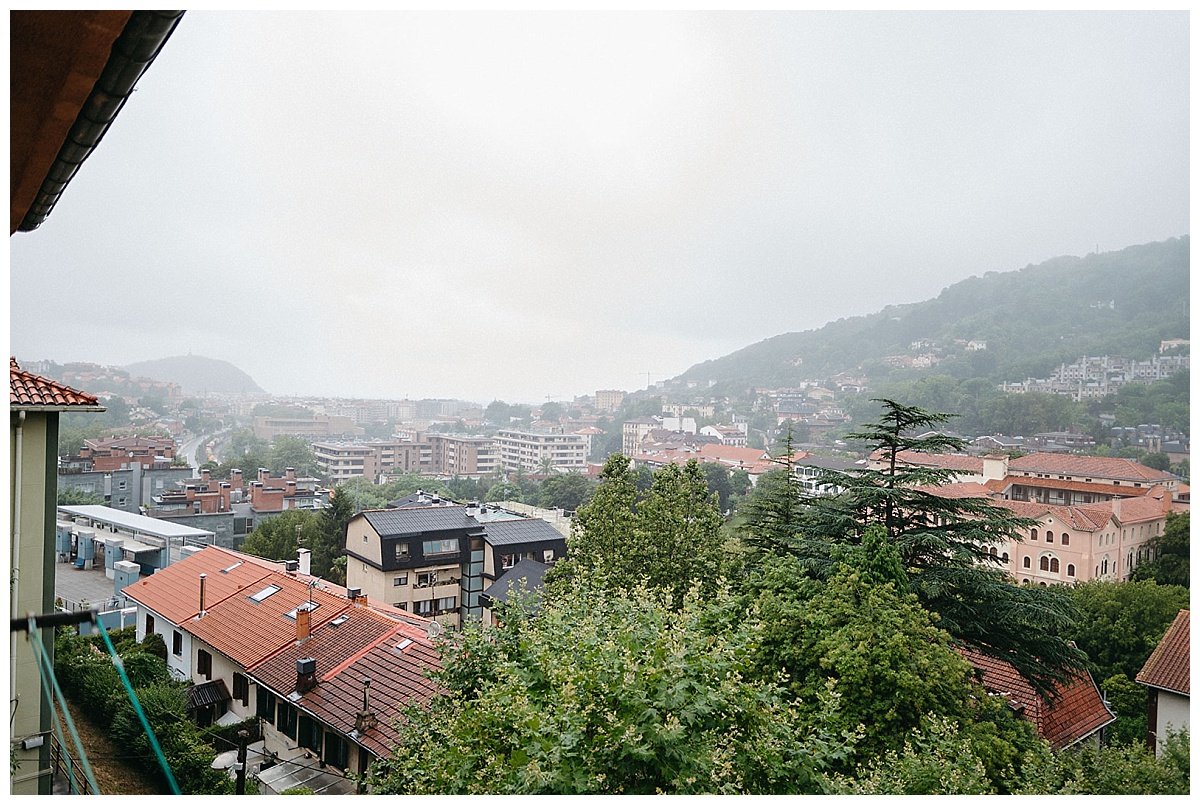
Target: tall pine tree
(943, 543)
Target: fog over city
(523, 206)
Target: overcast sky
(522, 206)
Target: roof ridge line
(342, 666)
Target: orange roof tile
(1087, 466)
(966, 489)
(246, 631)
(1073, 486)
(29, 390)
(1077, 711)
(1170, 665)
(945, 461)
(174, 591)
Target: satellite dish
(434, 629)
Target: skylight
(403, 644)
(339, 620)
(265, 593)
(310, 608)
(232, 567)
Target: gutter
(18, 444)
(132, 53)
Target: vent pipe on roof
(365, 720)
(203, 577)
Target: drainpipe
(16, 560)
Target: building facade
(530, 452)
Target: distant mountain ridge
(196, 374)
(1029, 321)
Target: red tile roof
(1087, 466)
(174, 591)
(966, 489)
(1170, 665)
(29, 390)
(1077, 711)
(1073, 486)
(945, 461)
(247, 631)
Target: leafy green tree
(669, 540)
(294, 452)
(504, 490)
(1156, 461)
(74, 496)
(553, 411)
(1115, 770)
(329, 541)
(1127, 699)
(719, 483)
(943, 545)
(1118, 624)
(279, 537)
(937, 759)
(566, 491)
(1172, 564)
(647, 700)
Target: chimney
(291, 566)
(1116, 508)
(289, 473)
(263, 473)
(204, 476)
(303, 623)
(305, 557)
(365, 720)
(306, 674)
(203, 577)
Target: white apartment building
(527, 451)
(340, 461)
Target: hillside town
(863, 559)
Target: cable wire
(49, 679)
(137, 708)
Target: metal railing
(75, 780)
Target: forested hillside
(1120, 303)
(197, 375)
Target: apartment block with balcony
(532, 452)
(464, 456)
(340, 461)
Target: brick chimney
(289, 473)
(303, 623)
(306, 674)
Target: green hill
(1117, 303)
(196, 374)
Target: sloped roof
(1073, 486)
(516, 532)
(1077, 711)
(27, 390)
(331, 644)
(398, 522)
(527, 570)
(946, 461)
(246, 631)
(1088, 466)
(1170, 664)
(174, 591)
(965, 489)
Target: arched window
(1026, 563)
(1104, 567)
(992, 550)
(1070, 570)
(1033, 535)
(1004, 556)
(1049, 536)
(1053, 565)
(1041, 584)
(1066, 540)
(1025, 581)
(1044, 563)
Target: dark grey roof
(529, 570)
(208, 693)
(396, 522)
(829, 463)
(515, 532)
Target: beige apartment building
(609, 399)
(527, 451)
(464, 456)
(340, 461)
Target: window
(265, 593)
(548, 556)
(403, 606)
(400, 581)
(287, 719)
(1004, 556)
(149, 624)
(507, 561)
(1044, 563)
(1053, 565)
(1070, 570)
(1033, 535)
(1049, 536)
(241, 688)
(1026, 563)
(266, 705)
(337, 754)
(1066, 539)
(432, 547)
(310, 734)
(204, 664)
(401, 550)
(443, 605)
(177, 644)
(427, 579)
(423, 608)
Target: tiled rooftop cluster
(27, 389)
